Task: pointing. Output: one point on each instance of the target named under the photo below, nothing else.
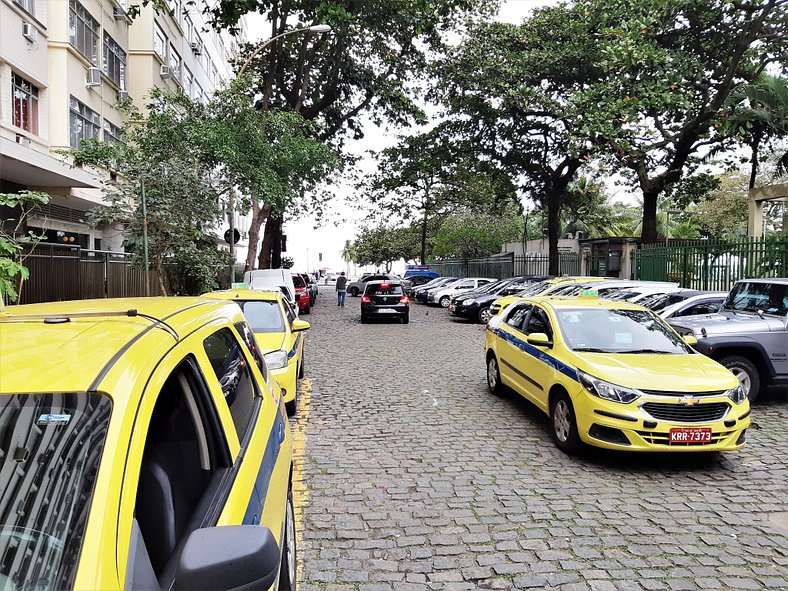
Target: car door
(513, 363)
(197, 454)
(540, 371)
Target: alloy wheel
(561, 421)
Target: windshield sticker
(53, 419)
(623, 338)
(570, 317)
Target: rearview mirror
(299, 325)
(229, 557)
(690, 340)
(539, 339)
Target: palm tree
(349, 254)
(761, 117)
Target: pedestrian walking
(341, 286)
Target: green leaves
(12, 270)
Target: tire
(563, 425)
(747, 373)
(353, 291)
(287, 570)
(292, 406)
(405, 318)
(444, 302)
(483, 315)
(307, 310)
(494, 384)
(301, 367)
(363, 319)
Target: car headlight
(737, 394)
(276, 359)
(606, 390)
(469, 302)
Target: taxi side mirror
(229, 557)
(690, 340)
(299, 325)
(539, 339)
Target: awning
(25, 166)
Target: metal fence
(60, 272)
(509, 265)
(713, 264)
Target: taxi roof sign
(239, 286)
(589, 294)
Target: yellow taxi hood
(676, 373)
(270, 341)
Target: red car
(301, 293)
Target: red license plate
(690, 435)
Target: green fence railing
(713, 264)
(507, 265)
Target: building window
(85, 123)
(160, 43)
(25, 103)
(175, 9)
(112, 133)
(114, 62)
(199, 95)
(214, 74)
(189, 26)
(28, 5)
(83, 31)
(175, 63)
(188, 82)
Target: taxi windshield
(50, 445)
(618, 331)
(263, 316)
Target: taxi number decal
(53, 419)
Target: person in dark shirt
(341, 287)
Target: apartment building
(64, 64)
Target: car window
(289, 311)
(618, 331)
(771, 298)
(517, 316)
(50, 449)
(298, 281)
(247, 335)
(184, 458)
(384, 289)
(232, 370)
(539, 322)
(700, 308)
(263, 316)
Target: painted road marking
(300, 493)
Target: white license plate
(386, 311)
(690, 435)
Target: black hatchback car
(384, 299)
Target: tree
(383, 245)
(467, 235)
(366, 65)
(668, 70)
(759, 118)
(13, 237)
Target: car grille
(679, 394)
(700, 413)
(663, 438)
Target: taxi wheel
(287, 572)
(563, 424)
(301, 367)
(494, 376)
(746, 372)
(292, 406)
(483, 315)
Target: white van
(273, 278)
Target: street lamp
(312, 29)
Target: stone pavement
(412, 477)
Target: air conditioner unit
(165, 72)
(119, 14)
(94, 78)
(123, 95)
(29, 32)
(196, 47)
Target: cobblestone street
(410, 476)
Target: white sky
(305, 241)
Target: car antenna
(66, 317)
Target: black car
(384, 299)
(476, 305)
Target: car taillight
(384, 285)
(365, 299)
(404, 300)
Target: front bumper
(632, 427)
(287, 378)
(464, 311)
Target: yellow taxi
(540, 288)
(142, 446)
(278, 332)
(614, 375)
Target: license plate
(386, 311)
(690, 435)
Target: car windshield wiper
(591, 350)
(647, 351)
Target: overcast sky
(305, 242)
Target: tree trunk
(424, 238)
(553, 229)
(649, 232)
(264, 261)
(754, 164)
(259, 215)
(276, 242)
(160, 275)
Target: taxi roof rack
(61, 318)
